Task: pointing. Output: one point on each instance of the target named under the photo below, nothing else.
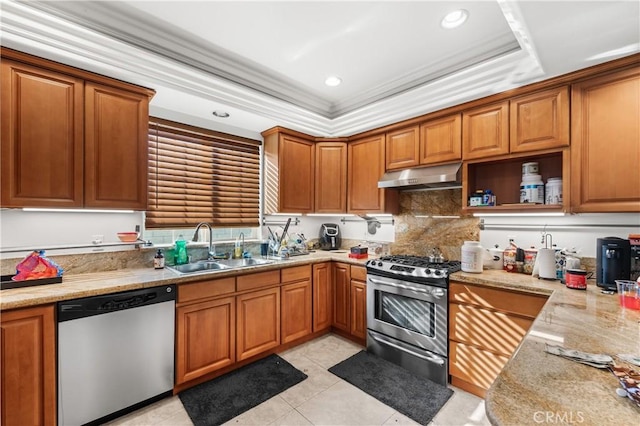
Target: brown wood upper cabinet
(402, 148)
(540, 120)
(435, 141)
(441, 140)
(331, 177)
(365, 166)
(485, 131)
(605, 145)
(289, 171)
(71, 138)
(116, 167)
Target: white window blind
(198, 175)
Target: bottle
(181, 251)
(471, 257)
(158, 260)
(532, 189)
(553, 191)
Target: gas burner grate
(422, 262)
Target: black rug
(415, 397)
(225, 397)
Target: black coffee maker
(613, 261)
(330, 238)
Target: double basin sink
(217, 265)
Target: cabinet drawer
(474, 365)
(490, 330)
(261, 279)
(358, 273)
(528, 305)
(206, 289)
(297, 273)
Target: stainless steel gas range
(407, 310)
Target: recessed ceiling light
(454, 19)
(333, 81)
(221, 114)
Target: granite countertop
(533, 388)
(538, 388)
(94, 284)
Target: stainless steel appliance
(330, 238)
(407, 310)
(613, 261)
(115, 353)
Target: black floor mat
(225, 397)
(415, 397)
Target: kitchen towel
(415, 397)
(225, 397)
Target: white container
(553, 191)
(530, 169)
(532, 189)
(472, 257)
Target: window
(198, 175)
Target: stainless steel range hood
(446, 176)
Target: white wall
(38, 229)
(356, 230)
(579, 230)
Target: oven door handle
(435, 292)
(433, 358)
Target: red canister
(576, 278)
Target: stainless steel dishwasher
(115, 353)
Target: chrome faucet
(212, 249)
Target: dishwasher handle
(103, 304)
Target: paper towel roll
(547, 263)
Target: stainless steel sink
(217, 265)
(202, 266)
(241, 263)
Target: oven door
(412, 313)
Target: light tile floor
(321, 399)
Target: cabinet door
(540, 120)
(116, 148)
(28, 379)
(359, 309)
(296, 314)
(474, 369)
(331, 177)
(205, 338)
(605, 145)
(365, 166)
(485, 131)
(322, 296)
(341, 296)
(402, 148)
(42, 137)
(258, 322)
(441, 140)
(296, 163)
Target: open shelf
(503, 176)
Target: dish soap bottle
(181, 251)
(158, 260)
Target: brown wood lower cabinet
(349, 300)
(486, 325)
(295, 301)
(205, 328)
(205, 338)
(258, 322)
(28, 355)
(322, 296)
(341, 278)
